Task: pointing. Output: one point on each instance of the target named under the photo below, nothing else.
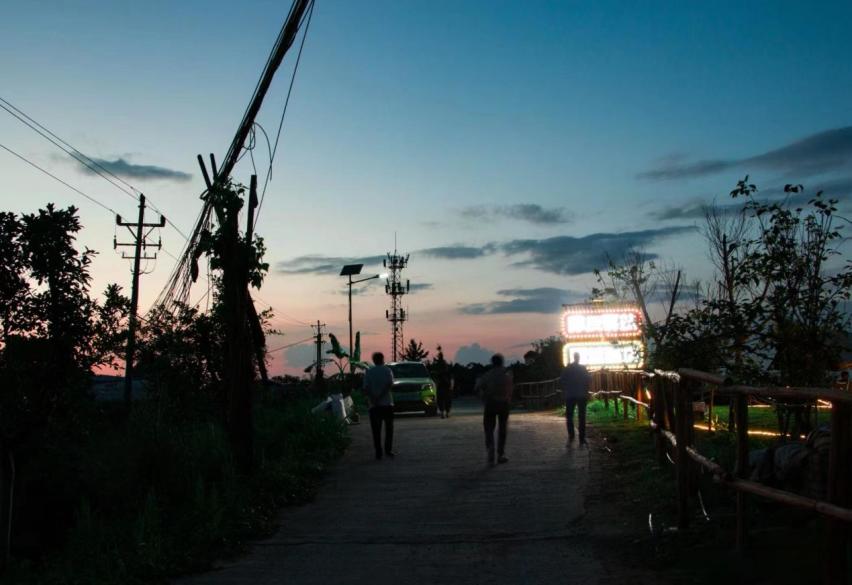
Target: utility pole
(318, 379)
(140, 245)
(396, 315)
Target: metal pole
(351, 348)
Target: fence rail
(667, 400)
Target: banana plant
(341, 354)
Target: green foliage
(229, 198)
(181, 357)
(775, 311)
(53, 331)
(543, 362)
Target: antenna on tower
(395, 288)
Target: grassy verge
(631, 490)
(153, 498)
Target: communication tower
(394, 287)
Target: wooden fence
(667, 399)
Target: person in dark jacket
(574, 383)
(444, 380)
(495, 387)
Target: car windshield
(409, 371)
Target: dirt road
(438, 514)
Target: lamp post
(349, 271)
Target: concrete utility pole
(319, 341)
(140, 245)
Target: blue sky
(446, 122)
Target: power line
(311, 338)
(69, 149)
(284, 111)
(54, 177)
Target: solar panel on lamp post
(349, 271)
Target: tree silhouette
(414, 351)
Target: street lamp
(349, 271)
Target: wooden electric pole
(140, 245)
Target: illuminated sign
(602, 354)
(605, 335)
(592, 322)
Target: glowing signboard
(605, 335)
(602, 354)
(597, 321)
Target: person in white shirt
(378, 382)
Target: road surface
(438, 514)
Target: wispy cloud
(819, 153)
(124, 168)
(319, 264)
(570, 255)
(529, 212)
(457, 252)
(525, 300)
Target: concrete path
(437, 513)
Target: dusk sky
(508, 145)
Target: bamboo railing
(670, 411)
(666, 398)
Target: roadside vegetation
(93, 493)
(630, 489)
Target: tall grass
(156, 497)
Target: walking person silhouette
(378, 382)
(495, 388)
(574, 383)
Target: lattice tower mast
(394, 287)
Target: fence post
(741, 413)
(682, 392)
(838, 491)
(639, 397)
(710, 413)
(605, 389)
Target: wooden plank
(684, 401)
(742, 468)
(838, 492)
(831, 394)
(701, 376)
(790, 499)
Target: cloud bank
(473, 353)
(833, 189)
(830, 150)
(525, 300)
(568, 255)
(564, 255)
